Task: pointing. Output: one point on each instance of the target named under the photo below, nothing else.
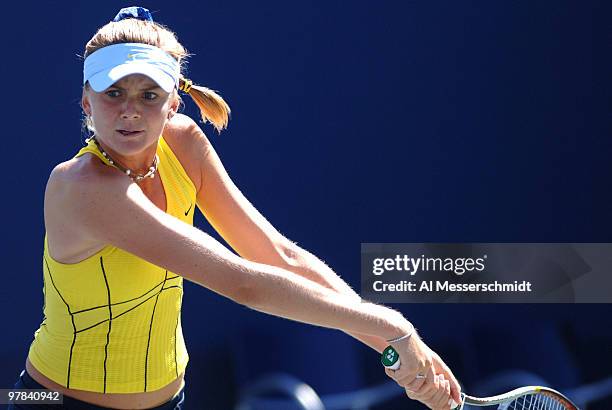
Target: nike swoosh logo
(187, 211)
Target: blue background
(352, 122)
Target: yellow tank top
(112, 322)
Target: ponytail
(212, 107)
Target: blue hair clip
(134, 12)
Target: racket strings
(534, 402)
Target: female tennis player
(120, 240)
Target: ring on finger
(420, 376)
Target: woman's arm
(307, 265)
(108, 208)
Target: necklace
(135, 177)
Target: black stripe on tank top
(129, 310)
(74, 331)
(125, 301)
(150, 330)
(45, 293)
(110, 320)
(175, 334)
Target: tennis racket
(523, 398)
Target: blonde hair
(212, 107)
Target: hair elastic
(185, 85)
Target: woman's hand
(436, 397)
(424, 375)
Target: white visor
(106, 66)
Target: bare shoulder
(79, 174)
(85, 166)
(74, 188)
(89, 205)
(189, 144)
